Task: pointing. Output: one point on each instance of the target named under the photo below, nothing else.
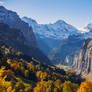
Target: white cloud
(1, 2)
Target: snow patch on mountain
(58, 30)
(86, 29)
(89, 27)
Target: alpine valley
(33, 56)
(60, 40)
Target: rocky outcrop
(29, 44)
(13, 20)
(64, 53)
(14, 38)
(11, 37)
(83, 59)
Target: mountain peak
(13, 20)
(4, 12)
(3, 8)
(29, 20)
(58, 30)
(89, 26)
(59, 22)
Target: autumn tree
(31, 67)
(57, 85)
(26, 73)
(40, 87)
(9, 61)
(15, 66)
(85, 87)
(28, 89)
(69, 87)
(43, 75)
(19, 85)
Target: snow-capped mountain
(87, 31)
(58, 30)
(51, 35)
(30, 21)
(87, 28)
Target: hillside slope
(21, 73)
(15, 38)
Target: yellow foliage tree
(31, 67)
(85, 87)
(38, 73)
(28, 89)
(43, 75)
(70, 87)
(40, 87)
(9, 89)
(26, 73)
(4, 85)
(9, 61)
(15, 66)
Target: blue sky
(75, 12)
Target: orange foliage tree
(85, 87)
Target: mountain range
(50, 34)
(57, 43)
(59, 40)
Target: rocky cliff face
(27, 44)
(11, 37)
(83, 59)
(13, 20)
(14, 38)
(64, 53)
